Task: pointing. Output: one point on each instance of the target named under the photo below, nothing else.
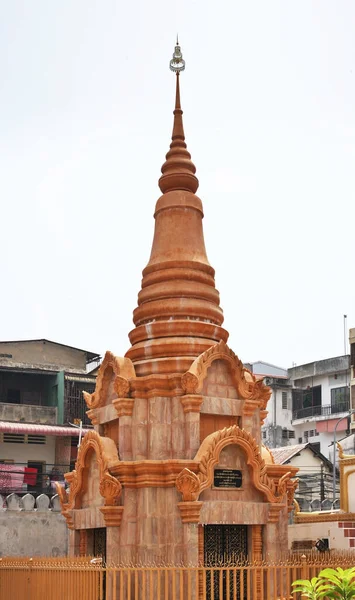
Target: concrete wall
(306, 462)
(274, 437)
(338, 533)
(44, 353)
(21, 453)
(23, 413)
(33, 534)
(320, 367)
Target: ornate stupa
(174, 468)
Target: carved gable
(219, 382)
(90, 492)
(112, 381)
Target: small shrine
(174, 471)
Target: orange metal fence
(78, 579)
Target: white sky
(86, 104)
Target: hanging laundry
(11, 478)
(30, 477)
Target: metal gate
(224, 545)
(99, 545)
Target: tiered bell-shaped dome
(178, 315)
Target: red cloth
(30, 476)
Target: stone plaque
(227, 478)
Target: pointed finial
(178, 171)
(177, 63)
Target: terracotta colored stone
(177, 406)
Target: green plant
(312, 589)
(339, 583)
(333, 584)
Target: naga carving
(247, 385)
(113, 368)
(188, 484)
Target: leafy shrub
(333, 584)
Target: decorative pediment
(247, 385)
(273, 488)
(115, 370)
(110, 488)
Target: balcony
(319, 412)
(28, 413)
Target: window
(311, 433)
(284, 434)
(22, 438)
(36, 439)
(305, 434)
(284, 400)
(264, 435)
(13, 396)
(14, 438)
(291, 434)
(316, 446)
(339, 399)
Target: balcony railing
(21, 478)
(321, 411)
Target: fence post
(29, 580)
(304, 567)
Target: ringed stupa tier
(178, 315)
(174, 471)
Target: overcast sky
(86, 106)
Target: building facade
(277, 430)
(321, 398)
(306, 403)
(175, 471)
(41, 386)
(352, 375)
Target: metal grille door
(224, 546)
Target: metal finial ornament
(177, 63)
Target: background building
(306, 403)
(315, 475)
(320, 397)
(352, 373)
(277, 428)
(41, 385)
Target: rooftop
(283, 455)
(326, 366)
(91, 356)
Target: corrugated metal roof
(37, 429)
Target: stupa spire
(178, 171)
(178, 314)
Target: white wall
(306, 462)
(283, 416)
(21, 453)
(316, 531)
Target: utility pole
(322, 494)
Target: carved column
(124, 409)
(83, 542)
(192, 406)
(73, 542)
(257, 556)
